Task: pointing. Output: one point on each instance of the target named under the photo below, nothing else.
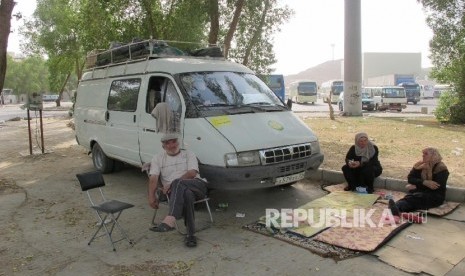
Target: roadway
(10, 111)
(319, 107)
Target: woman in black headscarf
(427, 184)
(362, 164)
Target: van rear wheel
(101, 162)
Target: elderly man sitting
(178, 172)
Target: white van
(388, 97)
(242, 134)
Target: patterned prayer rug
(323, 249)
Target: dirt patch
(8, 186)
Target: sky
(315, 33)
(387, 26)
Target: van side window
(154, 93)
(123, 95)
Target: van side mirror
(289, 104)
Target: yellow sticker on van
(275, 125)
(220, 121)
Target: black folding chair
(108, 211)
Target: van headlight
(242, 159)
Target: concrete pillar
(352, 58)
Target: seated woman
(427, 184)
(362, 164)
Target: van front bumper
(257, 176)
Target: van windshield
(227, 90)
(366, 95)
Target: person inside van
(178, 172)
(361, 165)
(426, 186)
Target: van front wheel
(101, 162)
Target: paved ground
(47, 224)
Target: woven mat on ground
(337, 208)
(317, 247)
(364, 232)
(442, 210)
(342, 203)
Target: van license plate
(289, 178)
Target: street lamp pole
(332, 46)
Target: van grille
(292, 168)
(283, 154)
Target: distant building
(373, 65)
(380, 64)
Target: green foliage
(443, 110)
(66, 30)
(262, 56)
(445, 17)
(27, 75)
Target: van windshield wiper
(265, 106)
(259, 103)
(216, 105)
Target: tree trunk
(151, 23)
(232, 27)
(214, 22)
(60, 95)
(257, 34)
(6, 9)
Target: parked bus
(439, 88)
(49, 98)
(304, 92)
(388, 97)
(332, 87)
(427, 91)
(7, 96)
(276, 84)
(412, 90)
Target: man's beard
(172, 152)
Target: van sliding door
(122, 120)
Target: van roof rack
(146, 49)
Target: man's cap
(169, 136)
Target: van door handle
(149, 130)
(134, 118)
(107, 115)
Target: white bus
(332, 87)
(427, 91)
(439, 88)
(304, 92)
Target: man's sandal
(162, 227)
(190, 241)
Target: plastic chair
(108, 211)
(146, 169)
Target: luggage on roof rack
(213, 51)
